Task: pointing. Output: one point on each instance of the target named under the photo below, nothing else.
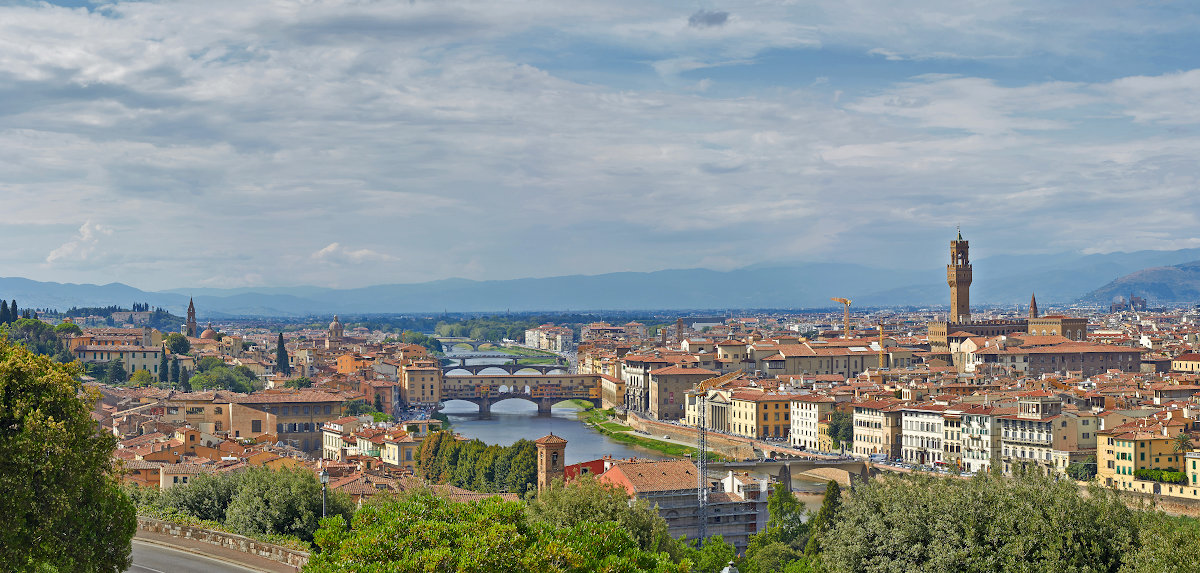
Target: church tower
(1033, 311)
(191, 319)
(551, 460)
(958, 275)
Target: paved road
(152, 558)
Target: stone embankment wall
(291, 557)
(728, 446)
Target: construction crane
(702, 464)
(846, 322)
(881, 365)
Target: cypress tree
(281, 358)
(174, 370)
(3, 312)
(163, 367)
(13, 315)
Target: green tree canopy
(282, 502)
(301, 382)
(67, 329)
(115, 372)
(988, 523)
(282, 362)
(62, 506)
(422, 532)
(588, 499)
(178, 343)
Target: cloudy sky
(347, 143)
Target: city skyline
(345, 144)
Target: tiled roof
(648, 477)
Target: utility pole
(702, 466)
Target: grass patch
(599, 419)
(583, 404)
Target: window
(256, 426)
(306, 411)
(285, 410)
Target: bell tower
(958, 275)
(190, 327)
(551, 460)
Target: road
(152, 558)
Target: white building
(923, 433)
(807, 410)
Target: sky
(350, 143)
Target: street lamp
(324, 477)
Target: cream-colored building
(877, 428)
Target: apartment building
(877, 428)
(923, 434)
(807, 411)
(668, 387)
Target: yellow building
(1144, 444)
(134, 358)
(759, 414)
(421, 383)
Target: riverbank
(602, 421)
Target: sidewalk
(216, 552)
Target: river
(512, 420)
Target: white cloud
(81, 247)
(241, 131)
(336, 253)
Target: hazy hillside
(1158, 285)
(998, 280)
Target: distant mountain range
(997, 280)
(1158, 285)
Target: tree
(283, 502)
(423, 532)
(379, 403)
(67, 329)
(987, 523)
(63, 509)
(115, 373)
(301, 382)
(208, 363)
(1182, 443)
(178, 343)
(282, 363)
(174, 370)
(1083, 471)
(824, 519)
(13, 314)
(588, 499)
(164, 367)
(141, 378)
(841, 428)
(4, 316)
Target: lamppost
(324, 476)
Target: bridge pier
(544, 406)
(485, 408)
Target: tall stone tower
(958, 275)
(551, 460)
(191, 319)
(1033, 311)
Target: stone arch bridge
(513, 369)
(545, 390)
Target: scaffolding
(702, 468)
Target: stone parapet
(292, 557)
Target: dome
(209, 333)
(335, 324)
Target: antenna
(702, 467)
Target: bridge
(461, 357)
(545, 390)
(449, 342)
(475, 369)
(840, 470)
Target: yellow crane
(846, 322)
